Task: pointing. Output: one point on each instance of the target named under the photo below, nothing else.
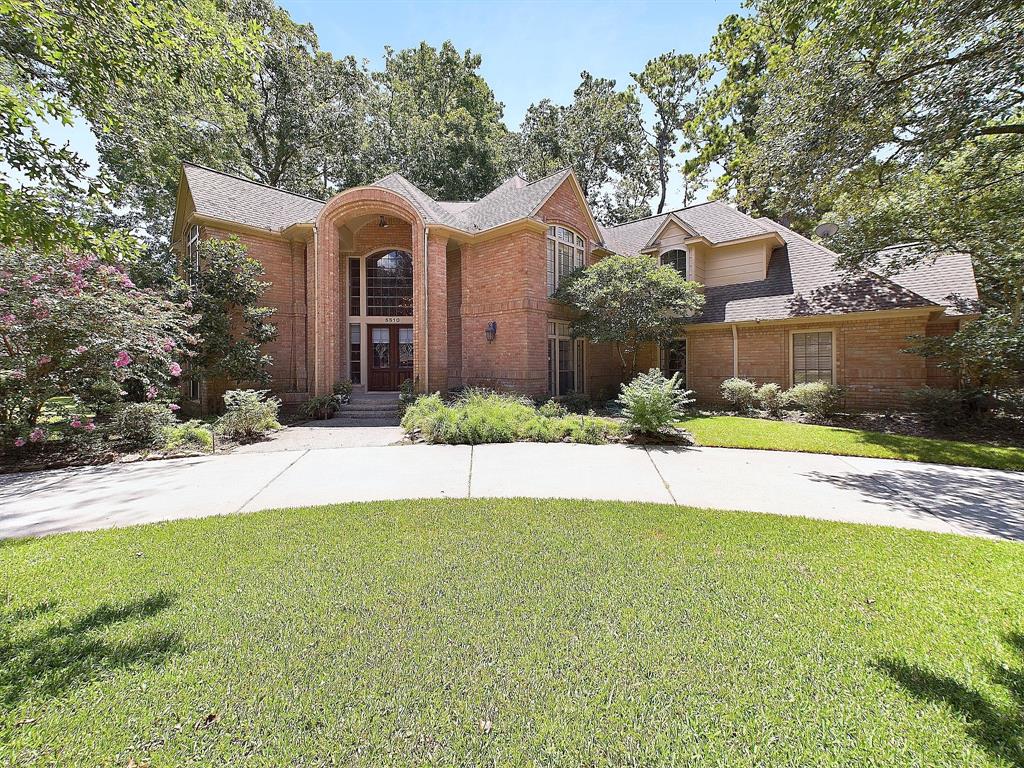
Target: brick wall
(454, 273)
(869, 360)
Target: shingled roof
(715, 221)
(232, 198)
(803, 281)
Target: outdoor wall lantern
(492, 330)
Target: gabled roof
(232, 198)
(714, 221)
(946, 279)
(803, 281)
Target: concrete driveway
(924, 496)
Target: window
(567, 252)
(389, 284)
(565, 361)
(193, 388)
(812, 357)
(192, 253)
(405, 347)
(675, 258)
(673, 359)
(355, 349)
(353, 288)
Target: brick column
(326, 325)
(430, 289)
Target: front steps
(372, 409)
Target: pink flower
(76, 423)
(36, 435)
(168, 345)
(89, 426)
(127, 282)
(174, 407)
(174, 369)
(78, 282)
(123, 359)
(18, 375)
(151, 392)
(80, 349)
(43, 359)
(9, 318)
(37, 302)
(19, 442)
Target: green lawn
(511, 633)
(741, 432)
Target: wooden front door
(390, 356)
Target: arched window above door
(389, 284)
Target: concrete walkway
(923, 496)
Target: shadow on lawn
(946, 450)
(995, 728)
(68, 655)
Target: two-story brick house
(382, 283)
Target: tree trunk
(662, 178)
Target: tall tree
(434, 119)
(104, 62)
(598, 135)
(669, 82)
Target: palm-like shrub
(651, 402)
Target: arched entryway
(380, 288)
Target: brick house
(382, 283)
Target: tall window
(812, 357)
(565, 361)
(355, 349)
(389, 284)
(676, 259)
(192, 252)
(566, 252)
(353, 287)
(673, 359)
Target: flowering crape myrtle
(72, 326)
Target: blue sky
(530, 49)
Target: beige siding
(729, 264)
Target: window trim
(792, 332)
(686, 260)
(553, 275)
(193, 236)
(686, 359)
(558, 330)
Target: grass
(511, 633)
(741, 432)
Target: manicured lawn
(511, 633)
(741, 432)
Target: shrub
(481, 416)
(142, 425)
(651, 402)
(942, 408)
(343, 387)
(407, 393)
(772, 399)
(249, 414)
(818, 398)
(576, 402)
(322, 407)
(739, 393)
(553, 409)
(192, 435)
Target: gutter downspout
(735, 353)
(316, 292)
(426, 309)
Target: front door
(390, 356)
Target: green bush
(576, 402)
(942, 408)
(650, 402)
(739, 393)
(552, 409)
(142, 425)
(818, 398)
(322, 407)
(249, 414)
(772, 399)
(192, 435)
(481, 416)
(343, 387)
(407, 393)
